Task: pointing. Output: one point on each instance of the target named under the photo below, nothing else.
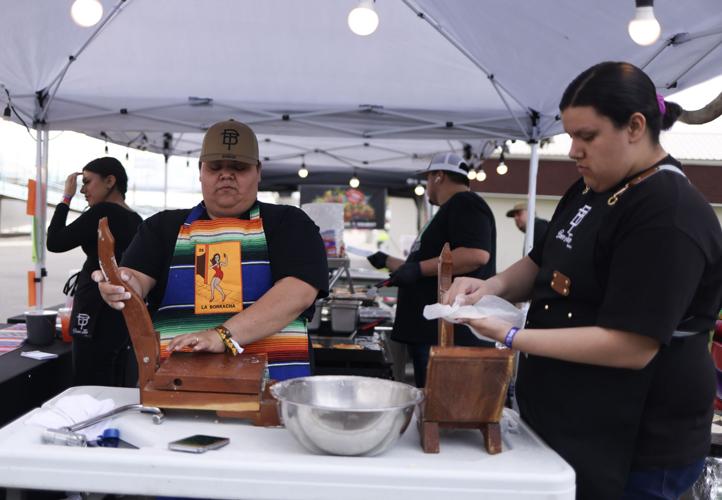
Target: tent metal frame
(528, 121)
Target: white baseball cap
(449, 162)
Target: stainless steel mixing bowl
(346, 415)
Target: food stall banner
(363, 208)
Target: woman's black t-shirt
(650, 264)
(83, 232)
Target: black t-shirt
(465, 220)
(104, 335)
(83, 232)
(649, 264)
(294, 244)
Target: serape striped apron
(220, 267)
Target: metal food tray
(375, 312)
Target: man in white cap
(520, 215)
(466, 222)
(266, 262)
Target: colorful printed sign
(219, 285)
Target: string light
(363, 20)
(471, 175)
(644, 28)
(419, 190)
(86, 13)
(354, 182)
(303, 171)
(481, 176)
(7, 113)
(501, 168)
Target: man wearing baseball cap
(466, 222)
(520, 214)
(232, 271)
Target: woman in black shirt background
(102, 352)
(616, 375)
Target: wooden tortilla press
(465, 386)
(232, 386)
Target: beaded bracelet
(509, 339)
(225, 335)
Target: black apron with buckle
(570, 405)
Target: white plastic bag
(329, 219)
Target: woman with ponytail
(102, 352)
(616, 375)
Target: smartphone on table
(198, 443)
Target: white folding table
(267, 463)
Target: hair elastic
(661, 104)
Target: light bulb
(471, 175)
(363, 20)
(481, 176)
(419, 190)
(303, 172)
(644, 28)
(501, 168)
(86, 13)
(354, 182)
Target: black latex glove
(378, 259)
(406, 275)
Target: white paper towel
(72, 409)
(489, 305)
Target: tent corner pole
(531, 197)
(165, 184)
(40, 219)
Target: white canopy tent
(155, 74)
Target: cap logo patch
(230, 137)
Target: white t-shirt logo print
(566, 236)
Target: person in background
(102, 351)
(520, 213)
(463, 220)
(617, 375)
(274, 264)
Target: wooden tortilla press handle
(140, 327)
(445, 276)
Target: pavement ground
(15, 262)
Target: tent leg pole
(531, 198)
(41, 195)
(165, 185)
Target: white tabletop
(267, 463)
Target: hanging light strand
(354, 181)
(644, 28)
(86, 13)
(501, 168)
(303, 171)
(363, 19)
